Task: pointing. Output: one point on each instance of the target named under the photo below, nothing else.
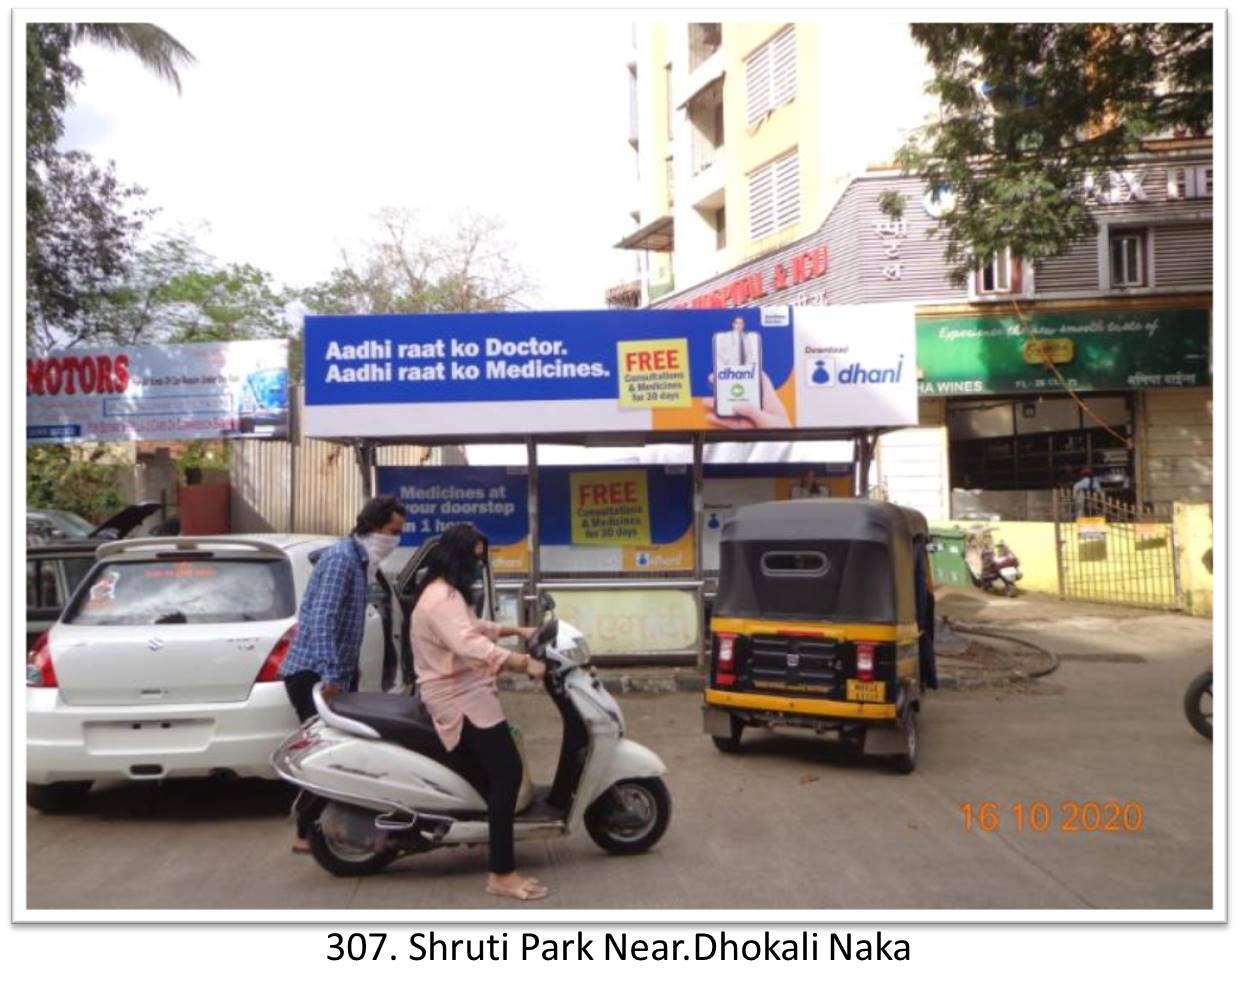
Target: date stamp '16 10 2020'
(1038, 816)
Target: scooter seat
(402, 719)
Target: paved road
(788, 824)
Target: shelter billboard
(192, 391)
(567, 372)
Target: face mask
(378, 547)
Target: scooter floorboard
(540, 810)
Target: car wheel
(58, 797)
(730, 743)
(905, 763)
(630, 817)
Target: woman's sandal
(527, 890)
(300, 847)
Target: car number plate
(866, 691)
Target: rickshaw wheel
(905, 763)
(730, 744)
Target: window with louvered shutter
(770, 75)
(774, 196)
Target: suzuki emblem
(155, 643)
(793, 660)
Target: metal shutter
(774, 196)
(783, 67)
(761, 220)
(787, 189)
(770, 75)
(757, 82)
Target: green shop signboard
(1093, 350)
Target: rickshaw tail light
(726, 659)
(864, 654)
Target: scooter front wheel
(631, 816)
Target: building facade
(744, 135)
(1035, 370)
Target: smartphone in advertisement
(737, 369)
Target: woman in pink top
(457, 662)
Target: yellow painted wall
(1193, 533)
(793, 125)
(1034, 544)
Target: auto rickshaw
(823, 621)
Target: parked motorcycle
(1198, 704)
(390, 789)
(994, 569)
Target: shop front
(1040, 397)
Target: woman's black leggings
(496, 752)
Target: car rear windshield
(174, 590)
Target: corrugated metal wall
(327, 492)
(1077, 269)
(1183, 254)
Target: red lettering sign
(808, 265)
(77, 375)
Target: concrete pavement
(788, 824)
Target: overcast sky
(294, 127)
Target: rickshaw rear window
(822, 579)
(806, 563)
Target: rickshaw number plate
(866, 691)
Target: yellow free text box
(653, 373)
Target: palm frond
(157, 50)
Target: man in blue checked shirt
(331, 623)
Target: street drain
(1102, 658)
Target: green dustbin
(949, 567)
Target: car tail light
(726, 659)
(864, 654)
(39, 670)
(271, 666)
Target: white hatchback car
(165, 663)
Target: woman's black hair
(376, 513)
(454, 559)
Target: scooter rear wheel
(1198, 703)
(630, 817)
(344, 860)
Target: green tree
(157, 50)
(54, 479)
(1027, 111)
(80, 243)
(176, 292)
(407, 271)
(81, 223)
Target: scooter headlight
(578, 652)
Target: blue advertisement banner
(493, 499)
(463, 376)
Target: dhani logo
(857, 373)
(737, 373)
(827, 372)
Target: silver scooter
(390, 789)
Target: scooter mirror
(547, 602)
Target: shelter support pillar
(533, 605)
(698, 546)
(365, 464)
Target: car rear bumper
(71, 743)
